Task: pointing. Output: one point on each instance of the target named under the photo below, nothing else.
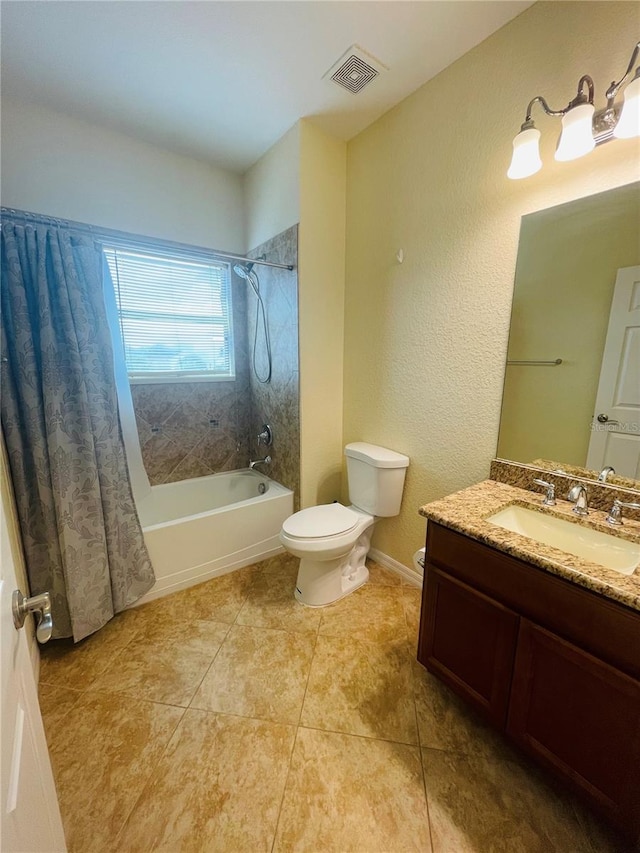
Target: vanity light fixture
(582, 126)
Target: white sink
(601, 548)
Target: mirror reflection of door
(615, 431)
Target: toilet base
(318, 585)
(321, 582)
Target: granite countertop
(466, 512)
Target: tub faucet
(265, 461)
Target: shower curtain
(82, 538)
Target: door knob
(604, 419)
(39, 604)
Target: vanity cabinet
(553, 665)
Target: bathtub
(201, 528)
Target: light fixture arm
(580, 98)
(614, 88)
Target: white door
(29, 811)
(615, 431)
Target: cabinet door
(468, 640)
(580, 717)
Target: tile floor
(228, 717)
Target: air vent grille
(354, 74)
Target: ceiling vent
(355, 69)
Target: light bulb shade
(628, 124)
(576, 138)
(526, 154)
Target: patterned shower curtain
(81, 535)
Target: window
(175, 315)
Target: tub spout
(265, 461)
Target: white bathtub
(208, 526)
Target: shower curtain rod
(106, 234)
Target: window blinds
(175, 315)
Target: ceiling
(222, 81)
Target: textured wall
(322, 259)
(271, 190)
(277, 403)
(60, 166)
(425, 341)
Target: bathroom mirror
(568, 262)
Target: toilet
(332, 540)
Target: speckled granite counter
(466, 512)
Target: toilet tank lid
(379, 457)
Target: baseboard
(397, 568)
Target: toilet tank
(376, 478)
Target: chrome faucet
(550, 496)
(602, 476)
(578, 494)
(265, 461)
(615, 513)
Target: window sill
(175, 379)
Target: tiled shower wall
(191, 429)
(277, 402)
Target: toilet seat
(321, 522)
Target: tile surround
(308, 730)
(200, 428)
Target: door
(468, 640)
(29, 811)
(581, 718)
(615, 431)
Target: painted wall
(57, 165)
(425, 341)
(321, 294)
(272, 190)
(568, 258)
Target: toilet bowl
(333, 540)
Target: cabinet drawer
(468, 640)
(581, 718)
(603, 627)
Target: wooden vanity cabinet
(553, 665)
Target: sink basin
(593, 545)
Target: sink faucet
(615, 513)
(265, 461)
(578, 494)
(550, 496)
(602, 476)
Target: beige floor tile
(218, 787)
(259, 672)
(381, 576)
(603, 838)
(102, 758)
(361, 688)
(165, 664)
(348, 793)
(218, 600)
(65, 664)
(446, 722)
(55, 704)
(281, 564)
(476, 805)
(270, 604)
(372, 613)
(412, 602)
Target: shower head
(243, 270)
